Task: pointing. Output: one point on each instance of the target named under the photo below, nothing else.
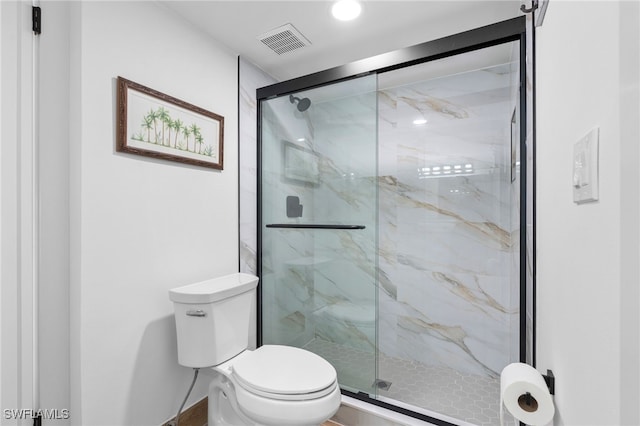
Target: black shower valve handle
(294, 208)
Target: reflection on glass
(319, 284)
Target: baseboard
(196, 415)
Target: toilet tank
(213, 318)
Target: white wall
(588, 254)
(630, 211)
(140, 226)
(17, 209)
(54, 208)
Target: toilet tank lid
(215, 289)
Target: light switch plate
(585, 168)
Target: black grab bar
(312, 226)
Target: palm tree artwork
(177, 126)
(195, 131)
(147, 124)
(154, 124)
(159, 128)
(186, 132)
(154, 118)
(163, 116)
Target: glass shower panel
(319, 225)
(449, 225)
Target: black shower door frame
(491, 35)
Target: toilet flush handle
(198, 313)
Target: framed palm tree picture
(154, 124)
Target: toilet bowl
(272, 385)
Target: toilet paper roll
(525, 395)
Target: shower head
(303, 104)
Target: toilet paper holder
(550, 380)
(528, 400)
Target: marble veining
(449, 334)
(482, 300)
(486, 229)
(425, 102)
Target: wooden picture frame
(157, 125)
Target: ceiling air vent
(284, 39)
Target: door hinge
(36, 19)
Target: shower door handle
(312, 226)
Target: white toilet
(272, 385)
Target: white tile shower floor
(471, 398)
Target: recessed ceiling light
(346, 10)
(419, 121)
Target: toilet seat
(281, 385)
(284, 373)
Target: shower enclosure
(391, 216)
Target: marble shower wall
(345, 140)
(437, 264)
(447, 222)
(250, 78)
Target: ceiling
(383, 26)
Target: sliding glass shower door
(318, 189)
(392, 222)
(449, 226)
